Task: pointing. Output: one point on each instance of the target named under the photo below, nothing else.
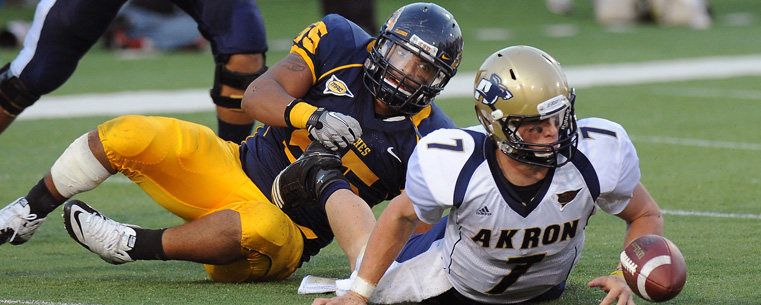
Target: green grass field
(698, 143)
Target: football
(654, 268)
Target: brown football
(654, 268)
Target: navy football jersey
(335, 50)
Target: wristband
(297, 113)
(362, 287)
(618, 271)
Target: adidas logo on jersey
(483, 211)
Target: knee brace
(14, 96)
(237, 80)
(77, 170)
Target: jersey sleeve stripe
(338, 68)
(475, 159)
(588, 172)
(306, 58)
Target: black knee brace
(14, 96)
(237, 80)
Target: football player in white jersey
(519, 190)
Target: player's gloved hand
(333, 129)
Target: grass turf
(720, 177)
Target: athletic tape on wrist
(618, 271)
(362, 287)
(297, 113)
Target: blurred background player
(153, 25)
(519, 189)
(361, 12)
(693, 14)
(64, 30)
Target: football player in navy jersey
(64, 30)
(520, 189)
(364, 102)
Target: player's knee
(14, 95)
(246, 63)
(131, 136)
(78, 170)
(237, 272)
(235, 71)
(270, 223)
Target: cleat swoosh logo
(390, 150)
(75, 219)
(78, 229)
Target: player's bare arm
(275, 99)
(642, 217)
(352, 221)
(394, 228)
(268, 96)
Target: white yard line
(195, 100)
(698, 143)
(709, 93)
(711, 214)
(33, 302)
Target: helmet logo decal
(489, 90)
(337, 87)
(424, 46)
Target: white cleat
(17, 224)
(109, 239)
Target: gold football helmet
(519, 84)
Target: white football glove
(333, 129)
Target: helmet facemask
(403, 76)
(416, 36)
(512, 143)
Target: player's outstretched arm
(616, 287)
(275, 99)
(317, 174)
(267, 97)
(394, 228)
(642, 217)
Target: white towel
(314, 284)
(414, 280)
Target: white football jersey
(496, 249)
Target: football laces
(627, 263)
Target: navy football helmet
(417, 52)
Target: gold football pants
(191, 172)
